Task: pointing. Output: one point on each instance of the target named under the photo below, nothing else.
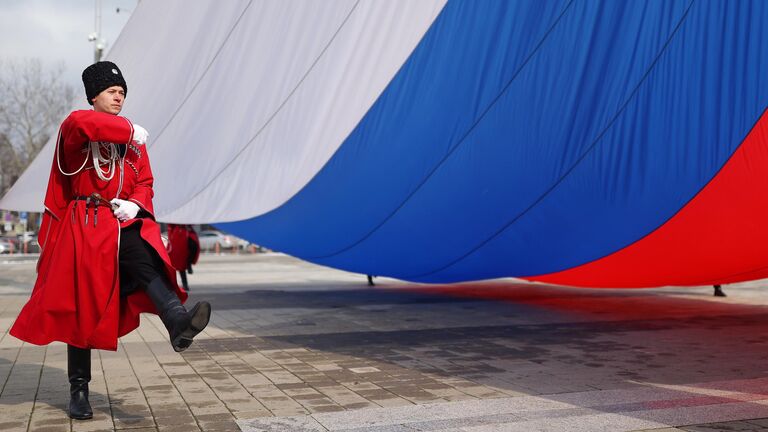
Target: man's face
(110, 100)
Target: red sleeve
(142, 192)
(84, 126)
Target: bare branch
(33, 99)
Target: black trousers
(139, 265)
(139, 262)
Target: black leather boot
(182, 326)
(79, 371)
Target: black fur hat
(101, 76)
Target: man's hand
(125, 210)
(140, 135)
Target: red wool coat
(179, 239)
(76, 298)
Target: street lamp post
(98, 42)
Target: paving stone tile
(51, 428)
(245, 415)
(223, 426)
(179, 428)
(288, 411)
(149, 429)
(99, 422)
(13, 426)
(294, 424)
(661, 430)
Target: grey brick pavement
(296, 347)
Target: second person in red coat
(184, 249)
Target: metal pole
(95, 37)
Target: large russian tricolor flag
(582, 142)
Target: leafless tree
(8, 163)
(33, 100)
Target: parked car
(32, 246)
(242, 244)
(7, 245)
(210, 238)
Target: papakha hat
(101, 76)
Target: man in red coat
(102, 261)
(184, 249)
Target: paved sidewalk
(296, 347)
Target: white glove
(140, 135)
(126, 210)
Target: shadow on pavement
(525, 339)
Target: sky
(56, 31)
